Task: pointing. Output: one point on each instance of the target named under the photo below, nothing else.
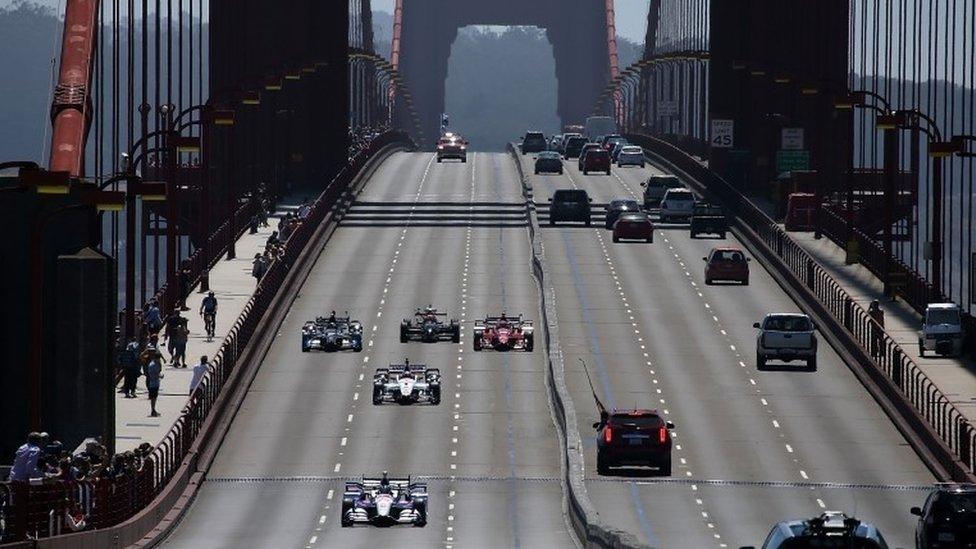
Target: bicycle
(210, 322)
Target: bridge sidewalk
(954, 377)
(233, 285)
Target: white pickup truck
(786, 337)
(941, 330)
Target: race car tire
(694, 234)
(529, 343)
(560, 171)
(602, 467)
(477, 341)
(456, 334)
(921, 349)
(812, 364)
(588, 222)
(438, 160)
(642, 165)
(344, 521)
(537, 172)
(585, 172)
(435, 395)
(650, 239)
(421, 516)
(708, 281)
(304, 348)
(745, 281)
(665, 470)
(377, 396)
(760, 362)
(616, 238)
(551, 220)
(464, 160)
(403, 333)
(608, 172)
(358, 348)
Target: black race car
(384, 501)
(332, 333)
(426, 326)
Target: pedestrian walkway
(956, 378)
(233, 285)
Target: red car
(633, 438)
(503, 334)
(595, 160)
(633, 226)
(728, 264)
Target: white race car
(407, 384)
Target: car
(801, 212)
(948, 517)
(586, 148)
(555, 142)
(595, 160)
(619, 206)
(831, 529)
(533, 142)
(332, 333)
(549, 162)
(407, 384)
(384, 501)
(677, 204)
(452, 146)
(426, 326)
(941, 330)
(633, 438)
(502, 333)
(786, 337)
(633, 226)
(610, 142)
(629, 155)
(570, 205)
(573, 147)
(615, 151)
(708, 219)
(726, 264)
(656, 186)
(566, 137)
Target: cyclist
(208, 310)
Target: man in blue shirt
(25, 460)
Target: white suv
(677, 204)
(941, 330)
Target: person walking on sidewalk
(258, 268)
(199, 370)
(208, 310)
(877, 328)
(170, 325)
(152, 317)
(154, 373)
(129, 362)
(179, 338)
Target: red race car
(502, 333)
(634, 225)
(726, 264)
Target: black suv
(635, 437)
(948, 518)
(533, 142)
(569, 205)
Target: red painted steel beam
(71, 109)
(397, 34)
(614, 58)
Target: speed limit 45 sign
(723, 132)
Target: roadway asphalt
(307, 422)
(751, 448)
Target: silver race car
(407, 384)
(384, 501)
(332, 333)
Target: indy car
(427, 327)
(332, 333)
(384, 501)
(407, 384)
(502, 334)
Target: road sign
(723, 134)
(667, 108)
(792, 161)
(792, 139)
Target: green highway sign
(792, 161)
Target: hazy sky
(631, 14)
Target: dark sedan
(619, 206)
(549, 162)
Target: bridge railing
(38, 509)
(888, 358)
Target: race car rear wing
(414, 368)
(416, 489)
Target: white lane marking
(337, 467)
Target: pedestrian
(304, 209)
(150, 353)
(258, 268)
(199, 370)
(129, 362)
(877, 328)
(153, 317)
(184, 284)
(154, 373)
(172, 322)
(25, 465)
(179, 338)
